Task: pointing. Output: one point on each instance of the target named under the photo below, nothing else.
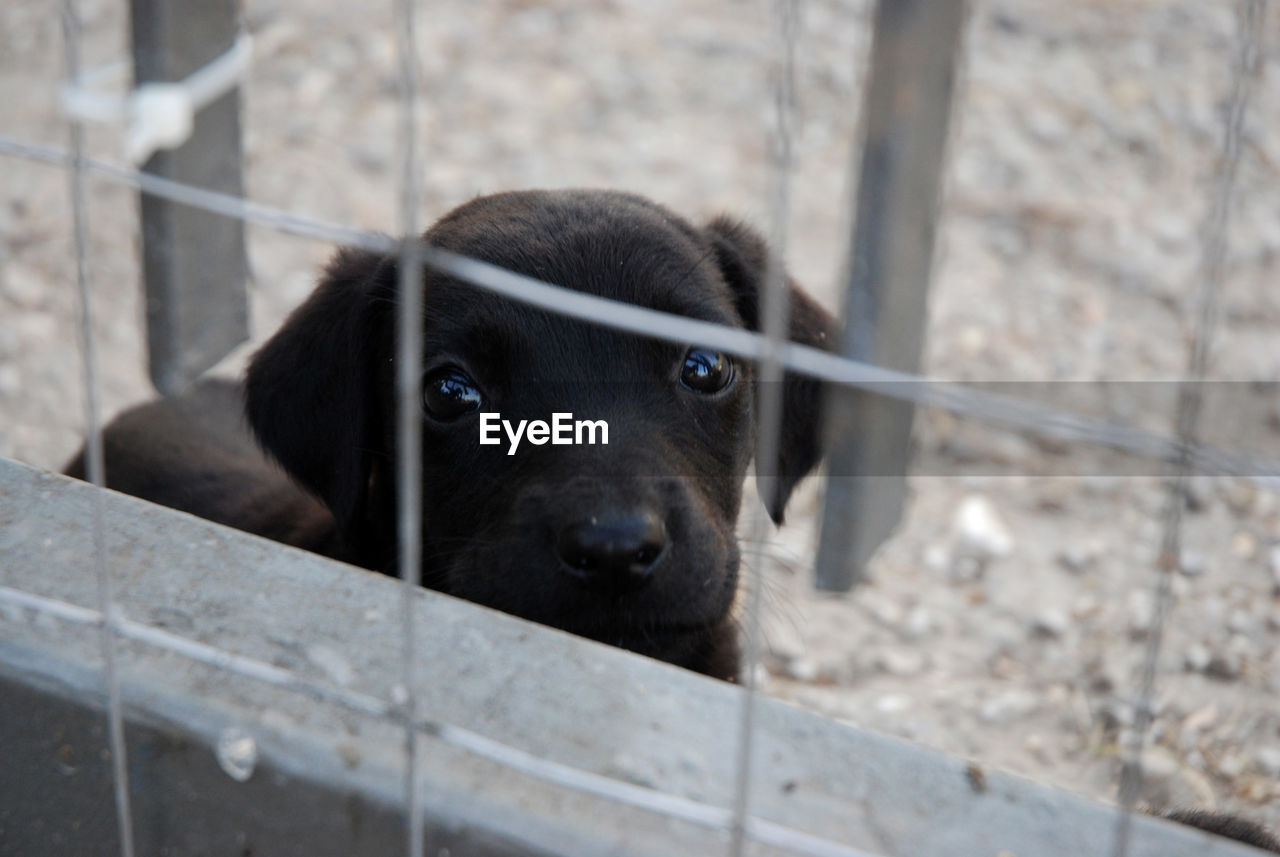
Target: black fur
(319, 400)
(1230, 826)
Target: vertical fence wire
(775, 320)
(1249, 21)
(95, 470)
(409, 426)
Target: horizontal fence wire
(997, 409)
(704, 815)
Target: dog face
(630, 543)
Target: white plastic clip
(156, 115)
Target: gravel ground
(1005, 621)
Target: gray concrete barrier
(534, 742)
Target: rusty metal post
(905, 117)
(194, 262)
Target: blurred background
(1084, 144)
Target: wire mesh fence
(975, 545)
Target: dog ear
(310, 390)
(743, 257)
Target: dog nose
(616, 551)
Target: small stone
(1159, 765)
(1117, 717)
(1197, 493)
(1036, 746)
(350, 755)
(1104, 675)
(1240, 496)
(1007, 240)
(967, 569)
(1173, 231)
(237, 754)
(1002, 666)
(1273, 563)
(21, 285)
(894, 703)
(1225, 666)
(1012, 705)
(903, 663)
(1166, 780)
(315, 85)
(1052, 623)
(973, 340)
(787, 644)
(1086, 606)
(938, 560)
(1239, 622)
(1052, 500)
(1142, 611)
(801, 669)
(1198, 658)
(1232, 765)
(886, 610)
(1048, 126)
(1267, 762)
(1244, 545)
(1077, 559)
(36, 327)
(979, 532)
(1202, 718)
(369, 159)
(10, 380)
(1192, 563)
(919, 623)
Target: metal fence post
(907, 103)
(194, 262)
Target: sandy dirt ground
(1083, 151)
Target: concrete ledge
(533, 705)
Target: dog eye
(706, 371)
(448, 393)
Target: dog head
(630, 542)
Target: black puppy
(631, 543)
